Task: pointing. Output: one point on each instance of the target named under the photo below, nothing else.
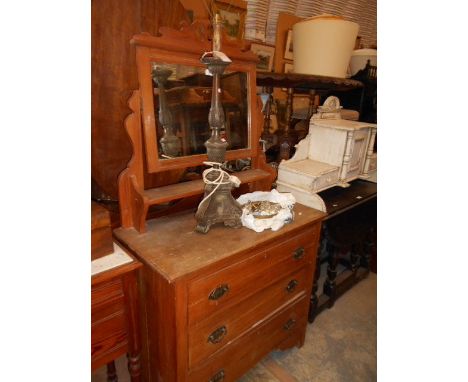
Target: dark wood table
(306, 81)
(349, 237)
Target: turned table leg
(134, 367)
(365, 258)
(314, 297)
(355, 258)
(329, 288)
(134, 352)
(111, 372)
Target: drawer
(307, 174)
(237, 282)
(232, 362)
(325, 180)
(106, 293)
(108, 336)
(108, 350)
(106, 310)
(216, 331)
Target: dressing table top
(172, 247)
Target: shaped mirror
(182, 101)
(176, 97)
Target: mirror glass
(182, 100)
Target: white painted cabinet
(335, 152)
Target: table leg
(111, 372)
(365, 259)
(133, 354)
(355, 259)
(134, 367)
(314, 298)
(329, 288)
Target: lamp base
(219, 207)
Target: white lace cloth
(285, 215)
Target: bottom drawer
(108, 335)
(228, 365)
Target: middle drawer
(221, 328)
(231, 285)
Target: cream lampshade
(323, 45)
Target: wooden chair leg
(111, 372)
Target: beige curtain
(262, 16)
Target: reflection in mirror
(170, 143)
(182, 100)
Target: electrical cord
(219, 180)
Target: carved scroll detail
(131, 179)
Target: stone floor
(340, 346)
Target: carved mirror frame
(186, 47)
(182, 46)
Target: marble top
(114, 260)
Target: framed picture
(288, 51)
(265, 53)
(232, 14)
(288, 67)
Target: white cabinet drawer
(308, 174)
(326, 180)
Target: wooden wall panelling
(158, 13)
(198, 7)
(114, 77)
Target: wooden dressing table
(213, 304)
(216, 304)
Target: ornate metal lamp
(218, 205)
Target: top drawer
(241, 280)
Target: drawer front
(288, 177)
(108, 334)
(240, 281)
(325, 180)
(106, 293)
(232, 362)
(215, 332)
(105, 311)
